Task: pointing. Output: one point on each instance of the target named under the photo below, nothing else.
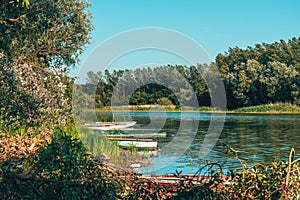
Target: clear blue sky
(214, 24)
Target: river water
(254, 138)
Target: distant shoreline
(268, 109)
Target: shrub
(61, 170)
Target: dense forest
(265, 73)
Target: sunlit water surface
(255, 138)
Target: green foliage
(204, 186)
(15, 104)
(32, 97)
(61, 170)
(141, 86)
(39, 42)
(132, 148)
(46, 32)
(164, 102)
(264, 74)
(270, 108)
(98, 145)
(153, 94)
(206, 109)
(278, 180)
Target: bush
(165, 102)
(61, 170)
(278, 180)
(31, 96)
(271, 108)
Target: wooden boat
(140, 144)
(137, 135)
(137, 130)
(110, 125)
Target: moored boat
(145, 144)
(110, 125)
(137, 135)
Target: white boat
(139, 144)
(110, 125)
(136, 135)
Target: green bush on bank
(267, 108)
(270, 108)
(62, 170)
(277, 180)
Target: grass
(154, 109)
(98, 145)
(103, 149)
(270, 108)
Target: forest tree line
(265, 73)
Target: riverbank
(61, 168)
(43, 164)
(276, 108)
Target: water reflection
(256, 138)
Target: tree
(280, 81)
(263, 74)
(51, 33)
(39, 42)
(165, 102)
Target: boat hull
(110, 125)
(141, 145)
